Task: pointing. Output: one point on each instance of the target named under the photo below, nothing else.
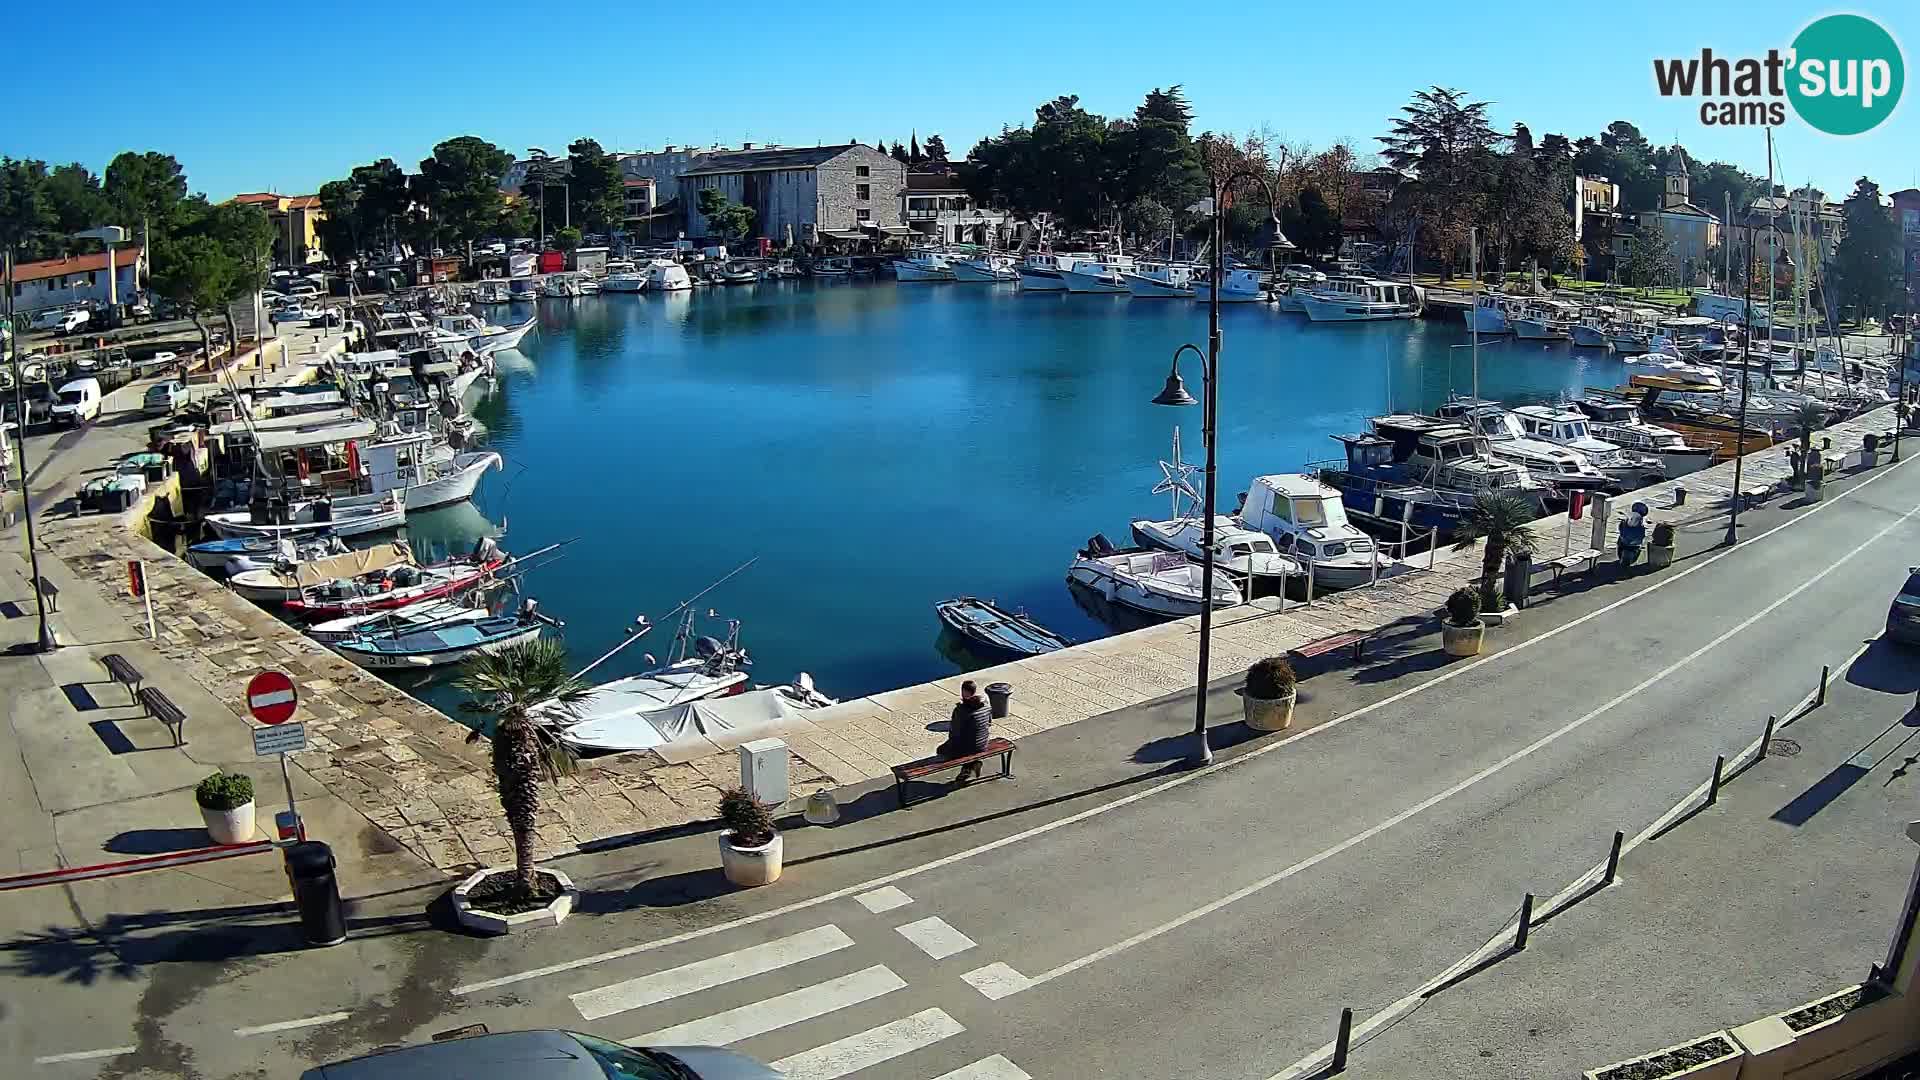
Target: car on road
(1903, 616)
(545, 1054)
(79, 402)
(159, 361)
(295, 313)
(72, 321)
(164, 398)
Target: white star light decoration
(1175, 478)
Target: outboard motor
(530, 612)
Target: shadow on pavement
(671, 890)
(156, 841)
(1888, 667)
(1821, 795)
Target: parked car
(294, 313)
(545, 1054)
(140, 313)
(79, 402)
(72, 321)
(159, 361)
(1903, 616)
(164, 398)
(48, 320)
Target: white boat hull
(1535, 330)
(1147, 288)
(1033, 280)
(1077, 282)
(1589, 337)
(439, 658)
(1229, 295)
(387, 520)
(506, 337)
(432, 613)
(1322, 310)
(908, 272)
(456, 486)
(1488, 321)
(1291, 300)
(977, 274)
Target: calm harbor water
(881, 447)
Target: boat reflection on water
(1114, 616)
(437, 535)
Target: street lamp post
(47, 641)
(1174, 393)
(1740, 428)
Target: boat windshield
(1309, 512)
(1335, 548)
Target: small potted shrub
(1269, 695)
(750, 846)
(1460, 635)
(1660, 547)
(226, 805)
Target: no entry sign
(271, 697)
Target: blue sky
(253, 97)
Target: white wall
(71, 289)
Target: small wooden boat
(990, 630)
(438, 646)
(397, 587)
(284, 581)
(317, 518)
(421, 616)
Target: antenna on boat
(642, 625)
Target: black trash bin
(316, 893)
(998, 694)
(1519, 579)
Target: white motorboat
(424, 473)
(1507, 440)
(1307, 520)
(316, 517)
(836, 266)
(1544, 320)
(284, 581)
(413, 617)
(923, 266)
(252, 552)
(1154, 582)
(988, 267)
(631, 282)
(1250, 557)
(482, 337)
(1567, 427)
(444, 644)
(1098, 274)
(493, 291)
(1292, 297)
(1357, 299)
(1160, 281)
(588, 286)
(693, 728)
(397, 586)
(1240, 287)
(665, 275)
(1620, 422)
(1042, 271)
(782, 269)
(560, 287)
(700, 667)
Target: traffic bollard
(1713, 789)
(1766, 737)
(1343, 1041)
(1613, 858)
(1526, 923)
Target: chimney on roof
(746, 146)
(669, 149)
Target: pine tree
(1867, 263)
(914, 156)
(899, 153)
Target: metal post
(1202, 753)
(1766, 737)
(146, 593)
(1746, 360)
(293, 808)
(1526, 923)
(1613, 858)
(1309, 582)
(1713, 789)
(47, 641)
(1820, 694)
(1343, 1042)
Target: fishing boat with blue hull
(1424, 473)
(447, 643)
(991, 631)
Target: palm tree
(1810, 417)
(506, 686)
(1501, 520)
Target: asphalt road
(1108, 914)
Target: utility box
(1599, 510)
(763, 771)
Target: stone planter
(750, 866)
(1714, 1056)
(1268, 714)
(1501, 617)
(1462, 640)
(1658, 557)
(233, 826)
(552, 914)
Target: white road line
(292, 1025)
(711, 972)
(1183, 779)
(882, 899)
(991, 1068)
(1449, 792)
(935, 937)
(1501, 941)
(84, 1055)
(996, 980)
(792, 1007)
(871, 1047)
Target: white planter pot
(1462, 640)
(750, 866)
(1659, 558)
(1268, 714)
(233, 826)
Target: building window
(863, 214)
(863, 192)
(862, 170)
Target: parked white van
(79, 402)
(72, 321)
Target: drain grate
(1783, 748)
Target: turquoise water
(881, 447)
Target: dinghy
(284, 581)
(1154, 582)
(421, 616)
(244, 553)
(447, 643)
(398, 586)
(991, 631)
(316, 518)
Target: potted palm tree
(504, 687)
(1462, 632)
(1500, 519)
(750, 847)
(1268, 698)
(1809, 418)
(1660, 547)
(226, 805)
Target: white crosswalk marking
(993, 1068)
(935, 937)
(708, 973)
(777, 1012)
(871, 1047)
(996, 980)
(885, 898)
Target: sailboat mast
(1473, 316)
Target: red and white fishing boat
(398, 587)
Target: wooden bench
(925, 767)
(122, 671)
(50, 591)
(1356, 638)
(162, 708)
(1590, 556)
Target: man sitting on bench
(967, 733)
